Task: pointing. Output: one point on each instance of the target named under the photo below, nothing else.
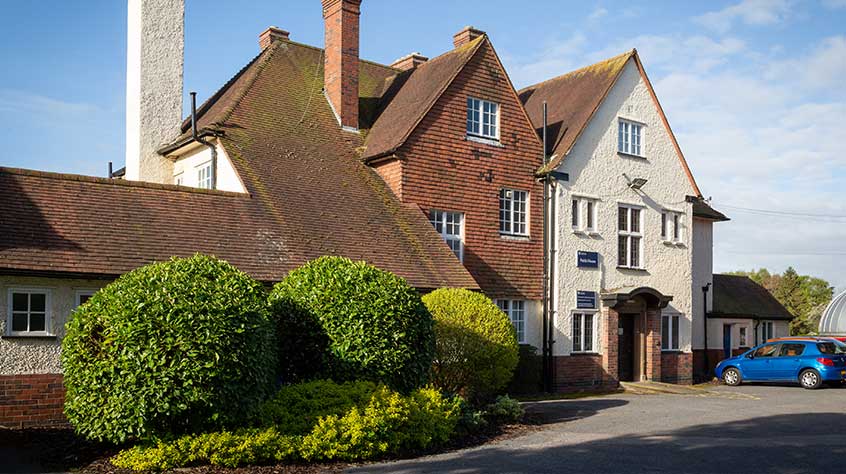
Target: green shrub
(357, 323)
(389, 423)
(476, 346)
(504, 410)
(295, 409)
(527, 375)
(168, 348)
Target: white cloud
(834, 4)
(15, 101)
(692, 53)
(597, 14)
(750, 12)
(824, 68)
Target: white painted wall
(715, 332)
(596, 170)
(197, 155)
(41, 355)
(703, 273)
(154, 69)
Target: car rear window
(831, 347)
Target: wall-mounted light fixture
(635, 183)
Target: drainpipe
(705, 326)
(203, 141)
(552, 250)
(546, 355)
(757, 324)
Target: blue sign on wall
(588, 259)
(585, 299)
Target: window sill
(582, 353)
(634, 269)
(673, 243)
(514, 237)
(485, 141)
(671, 351)
(630, 155)
(28, 336)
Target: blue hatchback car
(809, 361)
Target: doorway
(726, 340)
(626, 347)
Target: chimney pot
(465, 36)
(410, 61)
(271, 34)
(340, 67)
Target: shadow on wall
(793, 443)
(23, 225)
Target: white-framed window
(671, 226)
(83, 295)
(482, 118)
(516, 311)
(204, 176)
(743, 340)
(512, 212)
(29, 312)
(584, 214)
(449, 225)
(670, 332)
(630, 237)
(584, 332)
(630, 137)
(179, 179)
(767, 332)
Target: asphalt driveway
(746, 429)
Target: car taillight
(825, 361)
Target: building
(833, 320)
(632, 233)
(433, 169)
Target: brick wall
(581, 372)
(677, 367)
(714, 356)
(31, 400)
(653, 344)
(445, 171)
(391, 172)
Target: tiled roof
(309, 193)
(412, 95)
(704, 210)
(740, 297)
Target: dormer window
(629, 138)
(482, 118)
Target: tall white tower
(154, 71)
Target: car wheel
(731, 376)
(810, 379)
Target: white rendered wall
(154, 69)
(715, 332)
(703, 273)
(596, 170)
(186, 165)
(39, 355)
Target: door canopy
(622, 296)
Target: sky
(755, 90)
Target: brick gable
(440, 169)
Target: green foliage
(295, 409)
(168, 348)
(351, 321)
(503, 410)
(804, 296)
(527, 375)
(476, 346)
(388, 423)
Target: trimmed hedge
(476, 348)
(168, 348)
(389, 423)
(348, 320)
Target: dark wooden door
(625, 347)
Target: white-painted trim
(48, 312)
(527, 213)
(594, 335)
(80, 293)
(482, 121)
(485, 141)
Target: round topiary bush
(348, 320)
(476, 346)
(168, 348)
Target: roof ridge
(251, 80)
(361, 60)
(114, 182)
(575, 71)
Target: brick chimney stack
(465, 36)
(410, 61)
(340, 73)
(268, 36)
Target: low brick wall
(677, 367)
(581, 372)
(32, 400)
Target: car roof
(800, 339)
